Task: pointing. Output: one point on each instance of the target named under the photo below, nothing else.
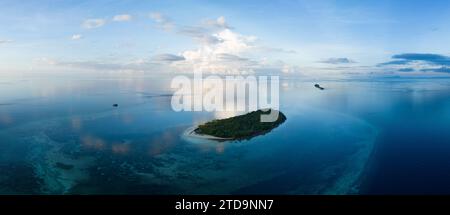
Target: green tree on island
(240, 127)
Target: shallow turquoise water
(62, 136)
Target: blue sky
(311, 37)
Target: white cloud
(219, 22)
(77, 37)
(93, 23)
(199, 34)
(122, 18)
(226, 55)
(163, 22)
(219, 48)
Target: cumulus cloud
(220, 49)
(337, 61)
(93, 23)
(122, 18)
(223, 54)
(77, 37)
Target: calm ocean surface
(61, 135)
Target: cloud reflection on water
(93, 142)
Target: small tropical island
(239, 127)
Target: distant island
(239, 127)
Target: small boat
(115, 105)
(319, 87)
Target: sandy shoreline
(190, 133)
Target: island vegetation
(240, 127)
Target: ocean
(371, 135)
